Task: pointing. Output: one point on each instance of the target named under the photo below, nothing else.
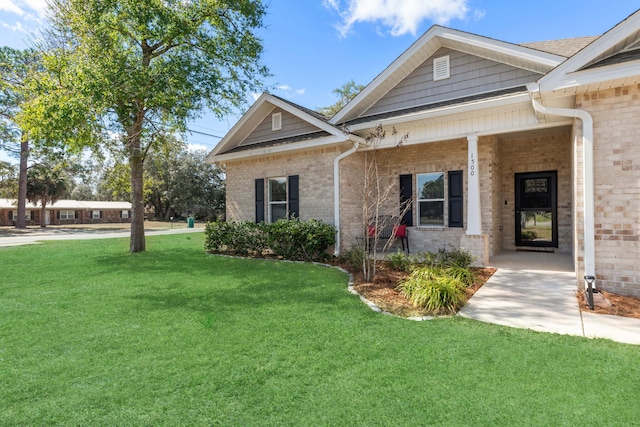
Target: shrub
(400, 261)
(446, 258)
(300, 240)
(433, 289)
(353, 257)
(290, 239)
(239, 237)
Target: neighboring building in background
(510, 147)
(68, 212)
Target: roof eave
(281, 149)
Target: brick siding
(616, 156)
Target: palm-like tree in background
(45, 185)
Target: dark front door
(536, 209)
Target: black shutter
(57, 214)
(406, 199)
(259, 200)
(10, 215)
(456, 204)
(294, 200)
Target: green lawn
(91, 335)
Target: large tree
(142, 66)
(45, 185)
(15, 68)
(345, 93)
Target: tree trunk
(43, 215)
(137, 243)
(21, 222)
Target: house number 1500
(472, 167)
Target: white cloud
(15, 28)
(283, 87)
(401, 16)
(300, 91)
(197, 147)
(22, 7)
(11, 7)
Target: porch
(537, 290)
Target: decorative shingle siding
(470, 75)
(291, 126)
(617, 187)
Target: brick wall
(393, 162)
(536, 154)
(616, 114)
(82, 217)
(315, 171)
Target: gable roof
(562, 47)
(233, 142)
(436, 37)
(612, 59)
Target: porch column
(474, 218)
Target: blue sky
(315, 46)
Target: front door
(536, 209)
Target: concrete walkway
(534, 290)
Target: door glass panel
(536, 194)
(536, 226)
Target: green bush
(353, 257)
(446, 258)
(433, 289)
(238, 237)
(400, 261)
(290, 239)
(300, 240)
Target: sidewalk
(537, 291)
(36, 235)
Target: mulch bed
(383, 293)
(620, 305)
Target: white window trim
(66, 214)
(27, 215)
(93, 214)
(441, 68)
(443, 200)
(270, 203)
(124, 214)
(276, 121)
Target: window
(276, 121)
(282, 197)
(277, 198)
(124, 214)
(441, 68)
(95, 214)
(67, 214)
(430, 187)
(27, 215)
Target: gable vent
(276, 121)
(441, 68)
